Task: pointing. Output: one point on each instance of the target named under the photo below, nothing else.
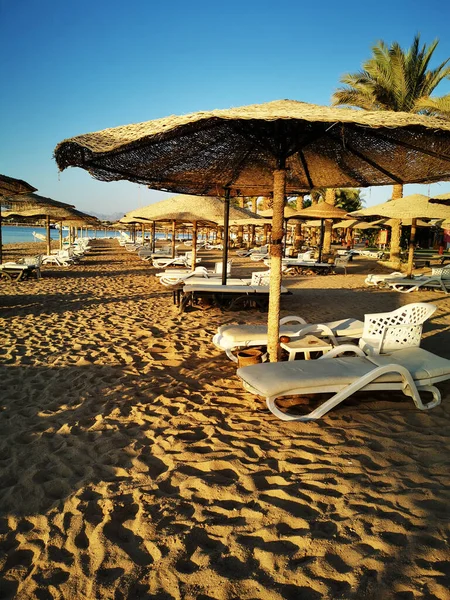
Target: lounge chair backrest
(400, 328)
(306, 255)
(442, 272)
(261, 278)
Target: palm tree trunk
(396, 230)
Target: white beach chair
(185, 261)
(233, 337)
(438, 279)
(255, 250)
(380, 280)
(411, 370)
(380, 332)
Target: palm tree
(397, 80)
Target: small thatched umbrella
(410, 207)
(10, 186)
(57, 211)
(321, 211)
(441, 199)
(195, 209)
(284, 147)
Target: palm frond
(438, 107)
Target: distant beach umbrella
(52, 210)
(8, 186)
(279, 148)
(196, 210)
(407, 208)
(441, 199)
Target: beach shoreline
(134, 464)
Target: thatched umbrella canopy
(54, 211)
(8, 186)
(195, 210)
(345, 224)
(29, 201)
(441, 199)
(411, 207)
(288, 212)
(284, 147)
(364, 225)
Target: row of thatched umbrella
(22, 202)
(10, 186)
(282, 147)
(410, 208)
(198, 211)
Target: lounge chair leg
(409, 389)
(426, 388)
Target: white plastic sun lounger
(411, 370)
(232, 337)
(438, 279)
(229, 296)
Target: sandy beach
(134, 465)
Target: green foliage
(398, 80)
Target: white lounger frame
(365, 383)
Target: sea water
(14, 235)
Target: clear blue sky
(73, 67)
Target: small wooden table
(306, 345)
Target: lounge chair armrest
(292, 319)
(342, 349)
(319, 328)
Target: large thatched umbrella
(195, 210)
(409, 207)
(282, 147)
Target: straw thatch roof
(288, 212)
(189, 209)
(55, 213)
(441, 199)
(30, 201)
(239, 148)
(250, 221)
(322, 210)
(345, 224)
(10, 186)
(126, 220)
(409, 207)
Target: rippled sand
(134, 465)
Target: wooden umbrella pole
(153, 235)
(60, 235)
(273, 324)
(226, 223)
(412, 244)
(174, 224)
(47, 223)
(194, 246)
(1, 238)
(321, 239)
